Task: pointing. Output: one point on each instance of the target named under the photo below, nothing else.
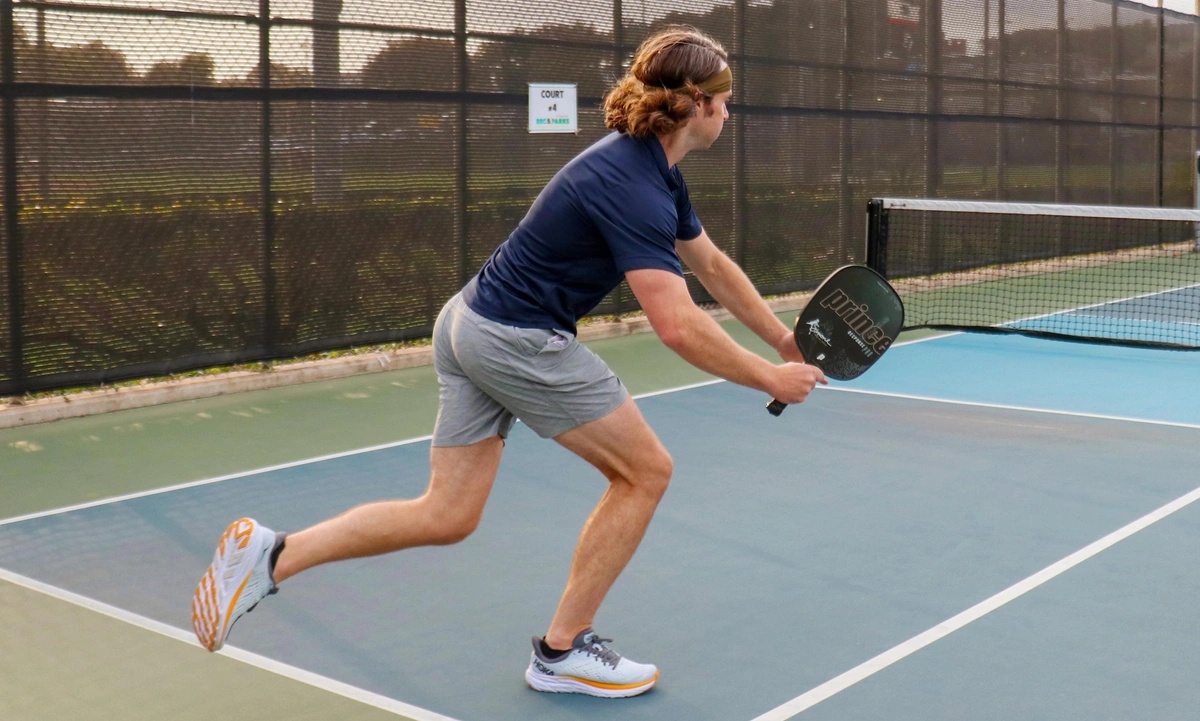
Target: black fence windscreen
(189, 183)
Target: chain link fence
(190, 183)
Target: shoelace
(603, 653)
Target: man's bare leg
(624, 448)
(460, 480)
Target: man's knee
(653, 474)
(455, 528)
(450, 523)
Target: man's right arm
(701, 341)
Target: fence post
(12, 209)
(618, 20)
(848, 210)
(270, 307)
(326, 122)
(1160, 141)
(934, 40)
(1001, 101)
(1060, 107)
(1114, 70)
(41, 143)
(460, 148)
(740, 212)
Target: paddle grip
(776, 407)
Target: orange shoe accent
(207, 619)
(613, 686)
(204, 610)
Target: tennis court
(991, 525)
(985, 527)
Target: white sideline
(840, 683)
(415, 713)
(278, 467)
(786, 711)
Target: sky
(1183, 6)
(233, 45)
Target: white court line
(787, 710)
(873, 666)
(278, 467)
(1101, 304)
(395, 444)
(1024, 409)
(869, 668)
(652, 394)
(207, 481)
(267, 664)
(1125, 323)
(282, 669)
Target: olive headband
(721, 82)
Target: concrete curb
(19, 412)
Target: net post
(877, 223)
(1196, 186)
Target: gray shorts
(490, 374)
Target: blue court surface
(979, 528)
(1166, 316)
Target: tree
(92, 64)
(191, 69)
(413, 63)
(281, 76)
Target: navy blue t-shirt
(615, 207)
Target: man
(505, 348)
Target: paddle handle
(776, 407)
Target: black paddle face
(852, 318)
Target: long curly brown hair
(659, 92)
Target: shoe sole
(569, 684)
(210, 622)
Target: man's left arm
(729, 286)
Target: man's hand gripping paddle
(852, 318)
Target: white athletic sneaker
(589, 667)
(239, 577)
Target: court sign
(552, 108)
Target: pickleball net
(1112, 274)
